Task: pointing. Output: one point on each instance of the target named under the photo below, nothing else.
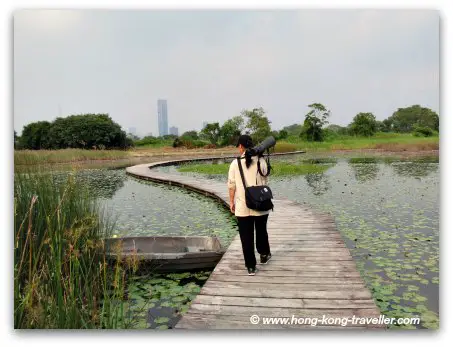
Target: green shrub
(421, 131)
(189, 143)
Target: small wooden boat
(167, 253)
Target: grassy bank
(278, 168)
(383, 141)
(61, 278)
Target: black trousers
(247, 234)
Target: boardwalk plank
(311, 273)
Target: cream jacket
(252, 178)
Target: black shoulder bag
(257, 198)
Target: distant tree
(380, 127)
(387, 125)
(294, 129)
(258, 125)
(364, 124)
(133, 137)
(169, 137)
(405, 119)
(282, 134)
(211, 132)
(275, 134)
(36, 136)
(192, 134)
(231, 130)
(314, 121)
(88, 131)
(335, 128)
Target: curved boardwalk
(311, 273)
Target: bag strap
(242, 172)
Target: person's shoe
(265, 258)
(252, 271)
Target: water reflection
(415, 170)
(101, 184)
(318, 182)
(365, 172)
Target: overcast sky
(209, 65)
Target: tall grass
(61, 277)
(29, 157)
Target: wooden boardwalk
(311, 274)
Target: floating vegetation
(158, 301)
(388, 214)
(326, 160)
(387, 209)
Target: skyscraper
(174, 131)
(162, 117)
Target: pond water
(386, 210)
(144, 208)
(388, 213)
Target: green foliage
(258, 125)
(278, 168)
(192, 134)
(35, 136)
(364, 124)
(133, 137)
(282, 134)
(151, 141)
(405, 119)
(89, 131)
(381, 127)
(61, 280)
(211, 132)
(338, 129)
(422, 131)
(314, 121)
(231, 130)
(188, 142)
(293, 130)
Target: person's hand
(232, 207)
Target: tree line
(86, 131)
(99, 131)
(420, 121)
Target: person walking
(248, 219)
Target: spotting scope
(259, 149)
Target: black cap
(245, 140)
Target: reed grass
(62, 279)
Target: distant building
(162, 117)
(133, 130)
(174, 131)
(204, 125)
